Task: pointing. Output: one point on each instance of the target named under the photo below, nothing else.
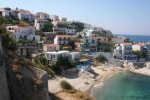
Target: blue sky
(119, 16)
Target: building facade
(51, 47)
(54, 56)
(39, 24)
(124, 51)
(62, 40)
(23, 33)
(8, 12)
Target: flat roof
(55, 52)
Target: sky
(118, 16)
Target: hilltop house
(23, 33)
(25, 15)
(8, 12)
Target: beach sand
(85, 83)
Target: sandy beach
(85, 83)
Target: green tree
(48, 27)
(100, 59)
(7, 42)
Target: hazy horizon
(118, 16)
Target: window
(53, 56)
(86, 41)
(93, 41)
(21, 50)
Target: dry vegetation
(73, 95)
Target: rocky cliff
(21, 82)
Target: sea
(124, 86)
(136, 38)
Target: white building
(51, 47)
(124, 51)
(138, 47)
(23, 33)
(118, 39)
(54, 56)
(42, 15)
(25, 15)
(8, 12)
(98, 37)
(62, 39)
(39, 24)
(12, 28)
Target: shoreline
(141, 71)
(101, 81)
(89, 85)
(84, 82)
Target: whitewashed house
(138, 47)
(8, 12)
(62, 40)
(25, 15)
(124, 51)
(23, 33)
(39, 24)
(54, 56)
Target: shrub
(56, 69)
(101, 59)
(65, 85)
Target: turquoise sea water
(125, 86)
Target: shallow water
(125, 86)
